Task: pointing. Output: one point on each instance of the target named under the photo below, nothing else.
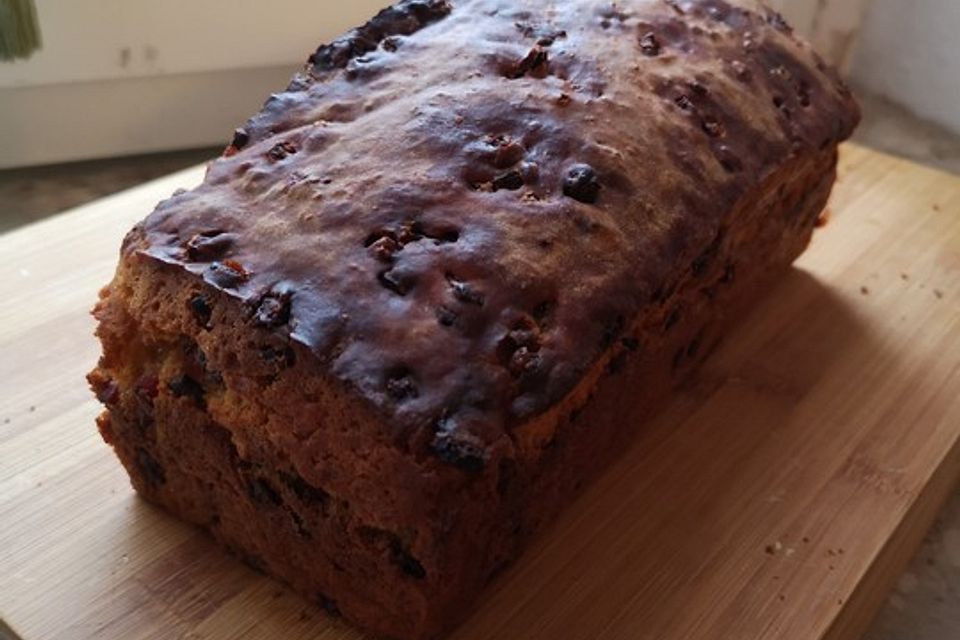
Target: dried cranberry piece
(209, 245)
(581, 183)
(391, 44)
(396, 282)
(401, 385)
(518, 350)
(694, 347)
(410, 231)
(727, 158)
(548, 39)
(407, 563)
(612, 330)
(328, 604)
(617, 363)
(240, 139)
(183, 386)
(107, 390)
(281, 150)
(446, 316)
(304, 490)
(510, 181)
(728, 274)
(684, 103)
(228, 274)
(201, 310)
(742, 71)
(545, 36)
(711, 126)
(460, 452)
(464, 292)
(147, 387)
(279, 356)
(504, 151)
(649, 44)
(672, 318)
(536, 60)
(384, 248)
(523, 362)
(150, 469)
(273, 310)
(261, 492)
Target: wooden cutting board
(778, 496)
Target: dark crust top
(458, 206)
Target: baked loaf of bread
(435, 283)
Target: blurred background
(123, 91)
(161, 85)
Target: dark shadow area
(632, 553)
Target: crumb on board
(32, 408)
(772, 549)
(782, 597)
(904, 276)
(805, 540)
(936, 207)
(938, 293)
(865, 290)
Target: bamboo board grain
(778, 496)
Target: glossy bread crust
(410, 205)
(419, 282)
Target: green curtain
(19, 30)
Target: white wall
(128, 76)
(905, 50)
(910, 53)
(53, 123)
(87, 40)
(831, 25)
